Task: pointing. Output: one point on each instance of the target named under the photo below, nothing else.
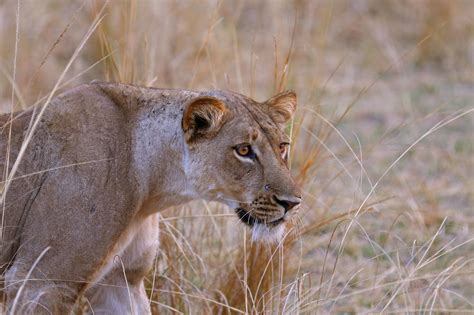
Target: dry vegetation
(382, 142)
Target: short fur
(104, 159)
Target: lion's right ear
(282, 106)
(203, 117)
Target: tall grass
(382, 141)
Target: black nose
(287, 204)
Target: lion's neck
(157, 143)
(159, 156)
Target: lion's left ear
(202, 117)
(282, 106)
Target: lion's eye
(284, 149)
(244, 150)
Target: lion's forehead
(267, 128)
(251, 112)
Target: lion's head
(237, 153)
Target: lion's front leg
(117, 295)
(122, 290)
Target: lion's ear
(203, 117)
(282, 106)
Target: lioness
(80, 214)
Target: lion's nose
(287, 203)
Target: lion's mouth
(250, 220)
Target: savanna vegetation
(382, 140)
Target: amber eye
(244, 150)
(284, 149)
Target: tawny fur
(103, 161)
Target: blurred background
(382, 140)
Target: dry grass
(383, 141)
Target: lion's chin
(265, 232)
(268, 234)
